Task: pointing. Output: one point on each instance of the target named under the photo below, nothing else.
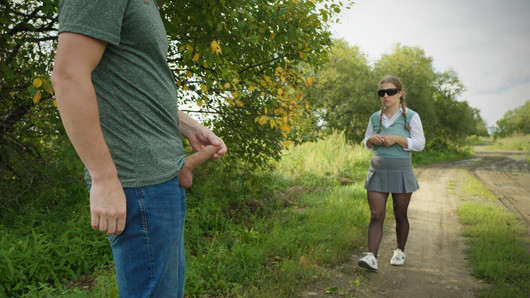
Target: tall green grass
(498, 246)
(326, 159)
(519, 142)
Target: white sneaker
(399, 258)
(369, 261)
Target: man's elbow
(64, 80)
(58, 78)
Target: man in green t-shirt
(117, 100)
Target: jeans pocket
(112, 238)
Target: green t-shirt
(134, 86)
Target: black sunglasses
(390, 92)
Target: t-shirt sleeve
(100, 19)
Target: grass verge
(498, 247)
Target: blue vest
(397, 128)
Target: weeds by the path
(498, 247)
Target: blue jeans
(149, 254)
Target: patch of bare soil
(435, 264)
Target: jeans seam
(145, 230)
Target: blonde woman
(392, 133)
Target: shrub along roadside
(498, 247)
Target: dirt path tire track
(435, 264)
(506, 175)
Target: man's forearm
(77, 104)
(187, 125)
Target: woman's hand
(376, 140)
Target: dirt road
(435, 265)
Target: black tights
(377, 202)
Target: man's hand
(204, 137)
(200, 136)
(108, 206)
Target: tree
(344, 96)
(514, 121)
(28, 119)
(236, 62)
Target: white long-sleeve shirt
(416, 142)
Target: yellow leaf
(185, 87)
(285, 127)
(239, 103)
(230, 101)
(251, 88)
(12, 93)
(37, 82)
(263, 119)
(179, 83)
(307, 105)
(310, 81)
(48, 89)
(216, 48)
(37, 97)
(189, 47)
(235, 94)
(189, 74)
(196, 57)
(263, 83)
(204, 89)
(199, 102)
(301, 54)
(265, 111)
(272, 123)
(289, 144)
(55, 103)
(205, 64)
(280, 91)
(262, 93)
(182, 48)
(227, 85)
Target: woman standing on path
(392, 133)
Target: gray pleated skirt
(391, 175)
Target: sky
(487, 43)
